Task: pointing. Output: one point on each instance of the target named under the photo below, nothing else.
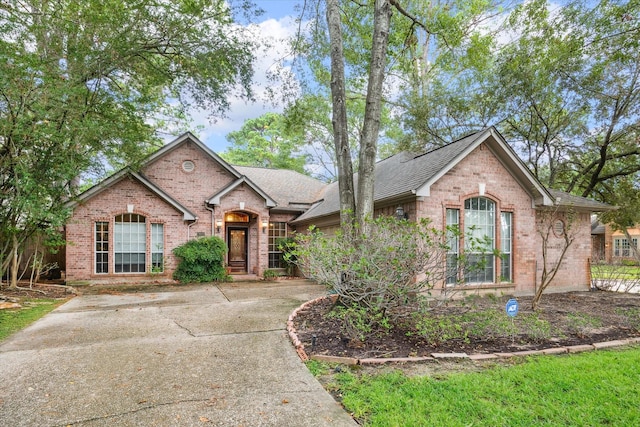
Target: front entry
(237, 238)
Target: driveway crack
(185, 329)
(133, 411)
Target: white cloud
(270, 57)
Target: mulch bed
(51, 289)
(611, 316)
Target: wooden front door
(237, 239)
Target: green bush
(490, 323)
(270, 274)
(535, 328)
(359, 322)
(438, 329)
(581, 323)
(201, 260)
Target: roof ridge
(476, 133)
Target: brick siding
(190, 189)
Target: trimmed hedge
(201, 260)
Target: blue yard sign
(512, 307)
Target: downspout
(189, 228)
(213, 218)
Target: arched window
(130, 238)
(480, 223)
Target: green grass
(623, 272)
(32, 309)
(588, 389)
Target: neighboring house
(126, 226)
(611, 245)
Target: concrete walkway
(209, 355)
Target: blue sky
(278, 22)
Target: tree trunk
(373, 107)
(339, 119)
(13, 281)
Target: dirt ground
(561, 320)
(52, 289)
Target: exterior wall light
(265, 224)
(401, 214)
(218, 225)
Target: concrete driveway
(209, 355)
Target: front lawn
(587, 389)
(617, 271)
(12, 320)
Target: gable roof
(410, 175)
(291, 190)
(188, 136)
(187, 215)
(216, 198)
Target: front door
(237, 239)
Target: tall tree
(82, 83)
(339, 118)
(265, 142)
(575, 108)
(373, 35)
(443, 67)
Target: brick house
(125, 227)
(610, 245)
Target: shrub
(631, 316)
(490, 323)
(535, 328)
(270, 274)
(201, 260)
(376, 273)
(381, 270)
(358, 322)
(615, 277)
(437, 329)
(287, 246)
(581, 323)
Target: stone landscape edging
(439, 356)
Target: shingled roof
(409, 174)
(570, 201)
(291, 190)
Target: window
(236, 217)
(479, 225)
(506, 234)
(453, 224)
(102, 247)
(130, 237)
(621, 247)
(277, 231)
(157, 248)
